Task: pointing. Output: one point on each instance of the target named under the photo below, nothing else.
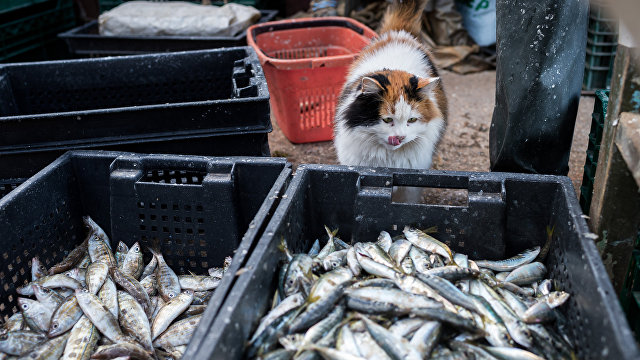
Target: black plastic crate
(509, 211)
(7, 185)
(85, 40)
(28, 31)
(630, 294)
(210, 102)
(593, 148)
(200, 209)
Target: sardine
(428, 243)
(527, 274)
(511, 263)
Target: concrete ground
(465, 145)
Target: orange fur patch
(397, 89)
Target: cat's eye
(412, 120)
(387, 120)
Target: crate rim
(623, 334)
(93, 143)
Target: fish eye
(85, 290)
(25, 306)
(290, 281)
(387, 120)
(54, 325)
(412, 120)
(171, 295)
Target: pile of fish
(410, 297)
(101, 305)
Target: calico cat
(392, 110)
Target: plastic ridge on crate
(505, 213)
(85, 40)
(207, 102)
(200, 209)
(305, 62)
(593, 148)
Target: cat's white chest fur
(355, 147)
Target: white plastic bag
(479, 18)
(148, 18)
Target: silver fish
(134, 320)
(65, 317)
(95, 276)
(37, 269)
(527, 274)
(19, 342)
(168, 282)
(179, 333)
(511, 263)
(169, 312)
(48, 350)
(83, 338)
(100, 316)
(133, 265)
(36, 315)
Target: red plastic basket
(305, 62)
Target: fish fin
(431, 230)
(550, 231)
(285, 248)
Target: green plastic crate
(9, 5)
(602, 42)
(630, 294)
(34, 29)
(593, 148)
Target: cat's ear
(426, 85)
(370, 86)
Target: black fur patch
(412, 89)
(364, 111)
(382, 79)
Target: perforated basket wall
(197, 210)
(504, 214)
(305, 63)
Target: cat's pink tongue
(395, 140)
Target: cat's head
(395, 107)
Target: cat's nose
(395, 140)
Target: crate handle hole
(430, 196)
